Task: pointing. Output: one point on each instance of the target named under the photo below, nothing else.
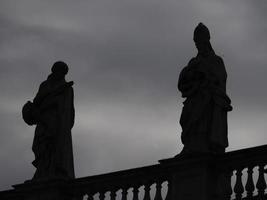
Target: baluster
(113, 194)
(238, 189)
(90, 196)
(124, 193)
(147, 191)
(158, 195)
(135, 192)
(169, 191)
(79, 197)
(250, 184)
(226, 185)
(102, 195)
(261, 184)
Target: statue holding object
(52, 111)
(203, 85)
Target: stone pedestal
(195, 177)
(44, 190)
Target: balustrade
(244, 186)
(247, 171)
(123, 193)
(123, 185)
(239, 175)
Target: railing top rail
(164, 168)
(119, 174)
(243, 157)
(249, 151)
(120, 179)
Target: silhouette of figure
(204, 115)
(52, 110)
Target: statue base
(196, 177)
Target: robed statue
(203, 85)
(52, 111)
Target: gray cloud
(125, 57)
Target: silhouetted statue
(52, 110)
(203, 83)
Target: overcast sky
(125, 57)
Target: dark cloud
(125, 57)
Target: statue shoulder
(220, 67)
(188, 67)
(218, 59)
(68, 87)
(193, 61)
(43, 84)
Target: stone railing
(123, 184)
(234, 175)
(245, 170)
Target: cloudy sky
(125, 57)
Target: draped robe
(52, 144)
(204, 115)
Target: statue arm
(37, 101)
(42, 101)
(217, 78)
(51, 99)
(49, 102)
(40, 94)
(72, 108)
(216, 83)
(186, 83)
(213, 75)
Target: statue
(204, 115)
(52, 111)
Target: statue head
(202, 39)
(201, 33)
(59, 70)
